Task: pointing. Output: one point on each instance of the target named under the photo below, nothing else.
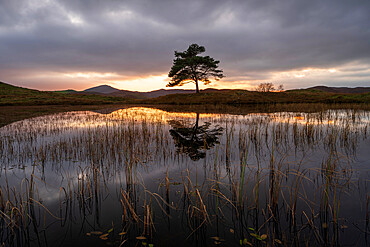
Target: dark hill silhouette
(13, 95)
(111, 91)
(341, 89)
(105, 89)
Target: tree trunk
(197, 87)
(195, 128)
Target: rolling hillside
(341, 89)
(102, 89)
(237, 97)
(12, 95)
(111, 91)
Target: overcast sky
(130, 44)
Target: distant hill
(13, 95)
(341, 89)
(111, 91)
(66, 91)
(105, 89)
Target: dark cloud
(252, 39)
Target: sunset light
(184, 123)
(56, 45)
(90, 75)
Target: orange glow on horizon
(81, 80)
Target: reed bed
(145, 176)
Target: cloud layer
(44, 42)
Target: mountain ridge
(111, 91)
(13, 95)
(105, 89)
(341, 89)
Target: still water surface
(146, 177)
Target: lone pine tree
(188, 66)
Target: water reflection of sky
(43, 132)
(60, 149)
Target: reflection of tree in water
(194, 139)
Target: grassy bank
(17, 96)
(239, 97)
(260, 108)
(10, 114)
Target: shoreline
(10, 114)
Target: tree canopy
(188, 66)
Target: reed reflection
(116, 178)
